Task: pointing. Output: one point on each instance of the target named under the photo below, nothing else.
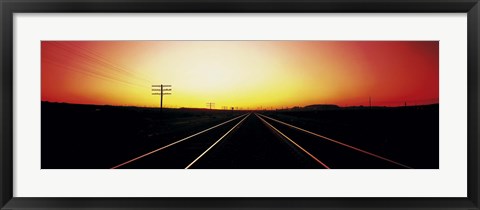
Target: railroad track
(257, 141)
(179, 153)
(331, 152)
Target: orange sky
(244, 74)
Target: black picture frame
(9, 7)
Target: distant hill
(321, 107)
(333, 107)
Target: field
(91, 136)
(409, 135)
(102, 137)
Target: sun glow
(244, 74)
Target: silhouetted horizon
(267, 108)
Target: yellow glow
(243, 74)
(231, 74)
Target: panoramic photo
(239, 105)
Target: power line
(94, 61)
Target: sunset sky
(244, 74)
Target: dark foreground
(96, 137)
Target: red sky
(246, 74)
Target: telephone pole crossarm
(210, 104)
(161, 91)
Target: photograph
(239, 104)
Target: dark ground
(409, 135)
(91, 137)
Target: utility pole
(163, 91)
(210, 104)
